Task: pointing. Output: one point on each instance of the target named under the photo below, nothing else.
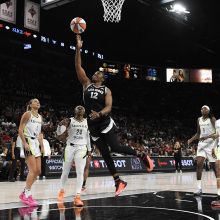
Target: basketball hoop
(112, 10)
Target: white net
(112, 10)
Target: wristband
(100, 114)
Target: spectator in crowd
(53, 152)
(6, 138)
(178, 156)
(6, 166)
(16, 146)
(96, 152)
(12, 133)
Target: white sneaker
(176, 171)
(38, 177)
(44, 177)
(181, 171)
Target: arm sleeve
(88, 141)
(60, 129)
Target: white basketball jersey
(217, 129)
(77, 131)
(206, 128)
(33, 126)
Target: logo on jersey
(204, 124)
(78, 137)
(34, 121)
(96, 91)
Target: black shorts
(99, 127)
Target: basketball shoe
(29, 201)
(216, 203)
(61, 195)
(120, 185)
(198, 192)
(22, 195)
(83, 188)
(147, 161)
(78, 201)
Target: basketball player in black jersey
(98, 105)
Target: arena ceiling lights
(48, 4)
(177, 8)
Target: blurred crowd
(150, 116)
(157, 137)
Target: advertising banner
(32, 15)
(109, 68)
(8, 11)
(177, 75)
(54, 165)
(201, 75)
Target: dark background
(147, 35)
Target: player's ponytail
(28, 106)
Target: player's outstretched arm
(85, 81)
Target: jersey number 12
(94, 95)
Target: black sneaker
(120, 185)
(12, 180)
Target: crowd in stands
(157, 137)
(150, 116)
(153, 135)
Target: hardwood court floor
(147, 196)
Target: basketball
(78, 25)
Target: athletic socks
(218, 192)
(199, 183)
(27, 192)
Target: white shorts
(34, 148)
(217, 149)
(205, 150)
(75, 151)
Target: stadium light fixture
(48, 4)
(179, 9)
